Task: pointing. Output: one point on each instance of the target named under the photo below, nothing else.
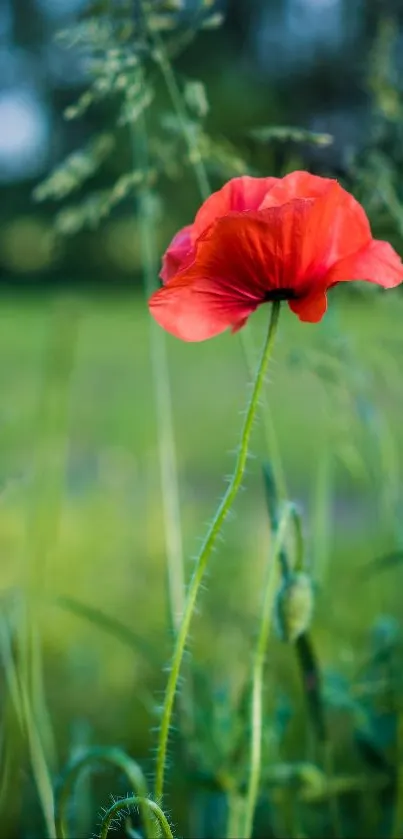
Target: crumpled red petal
(238, 261)
(289, 246)
(297, 184)
(338, 225)
(377, 263)
(199, 309)
(250, 255)
(310, 309)
(238, 195)
(177, 254)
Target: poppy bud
(294, 607)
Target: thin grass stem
(270, 588)
(195, 156)
(26, 719)
(162, 394)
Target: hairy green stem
(273, 574)
(116, 758)
(135, 801)
(247, 348)
(270, 434)
(207, 547)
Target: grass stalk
(162, 394)
(44, 503)
(27, 721)
(270, 588)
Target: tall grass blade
(26, 719)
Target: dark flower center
(280, 294)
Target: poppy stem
(207, 547)
(136, 801)
(97, 756)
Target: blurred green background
(81, 517)
(304, 63)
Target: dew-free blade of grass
(25, 715)
(44, 500)
(162, 393)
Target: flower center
(280, 294)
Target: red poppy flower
(262, 239)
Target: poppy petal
(238, 195)
(311, 308)
(200, 309)
(235, 327)
(338, 225)
(296, 185)
(177, 254)
(256, 253)
(290, 246)
(377, 263)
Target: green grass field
(81, 516)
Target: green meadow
(82, 536)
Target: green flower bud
(294, 606)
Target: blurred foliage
(377, 170)
(78, 439)
(122, 63)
